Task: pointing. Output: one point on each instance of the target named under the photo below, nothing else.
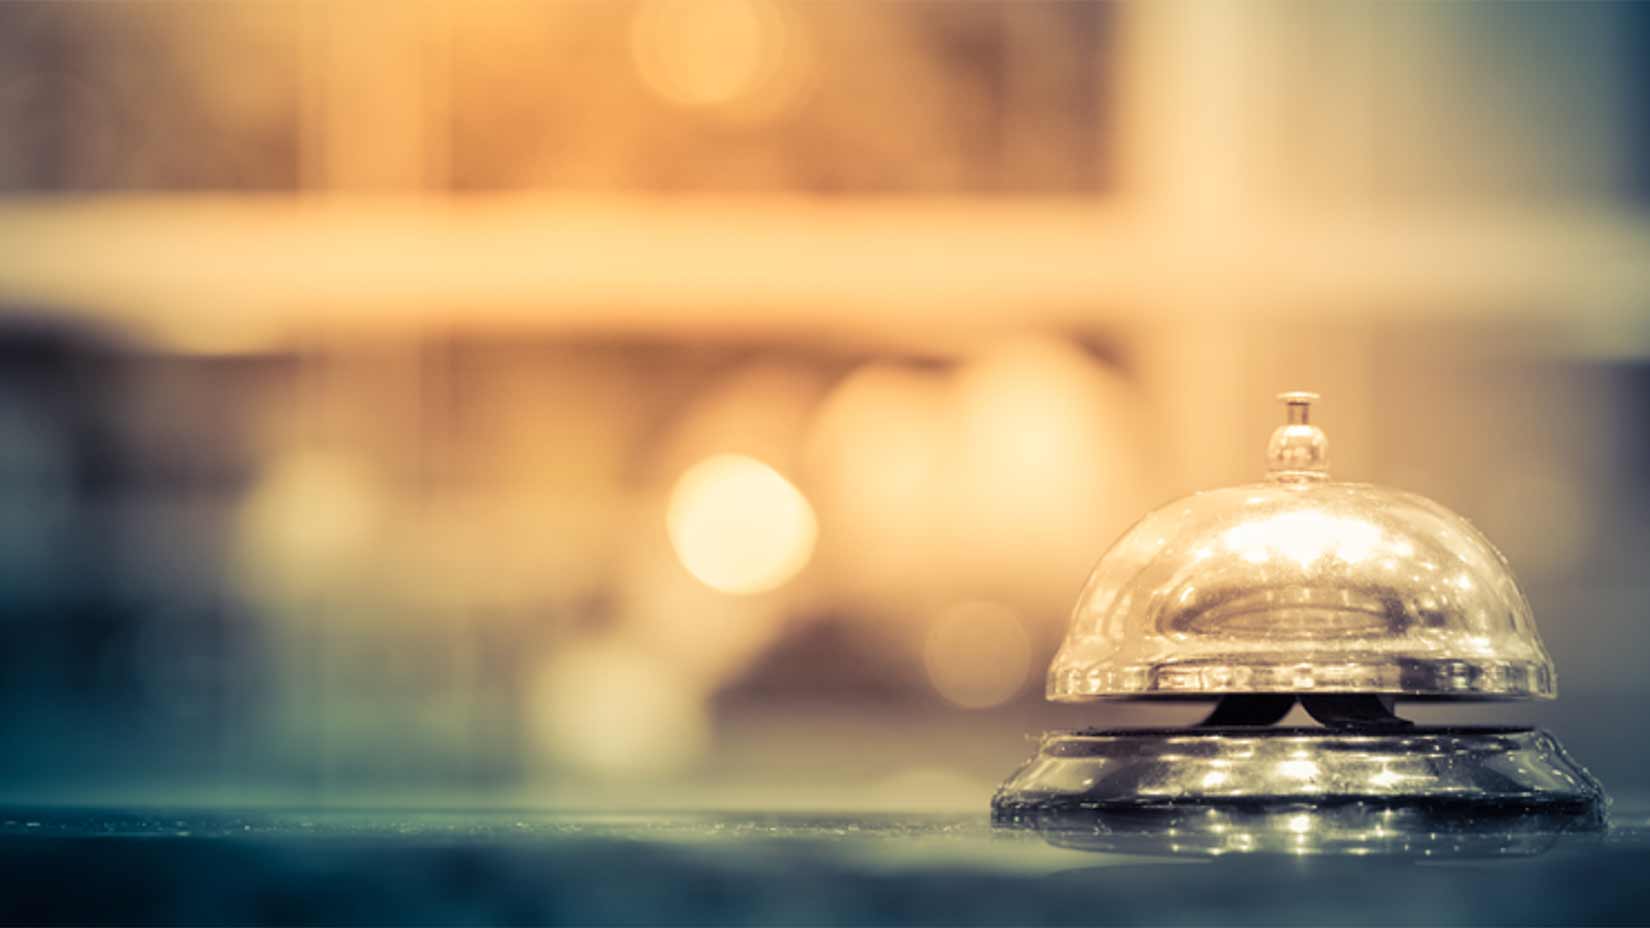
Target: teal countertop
(291, 866)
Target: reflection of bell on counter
(1345, 597)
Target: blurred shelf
(210, 272)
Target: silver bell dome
(1302, 585)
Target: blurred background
(721, 402)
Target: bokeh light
(877, 453)
(1046, 465)
(739, 526)
(977, 654)
(742, 56)
(310, 524)
(602, 707)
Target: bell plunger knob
(1298, 451)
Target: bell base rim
(1343, 828)
(1423, 791)
(1479, 769)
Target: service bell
(1345, 597)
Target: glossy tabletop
(81, 865)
